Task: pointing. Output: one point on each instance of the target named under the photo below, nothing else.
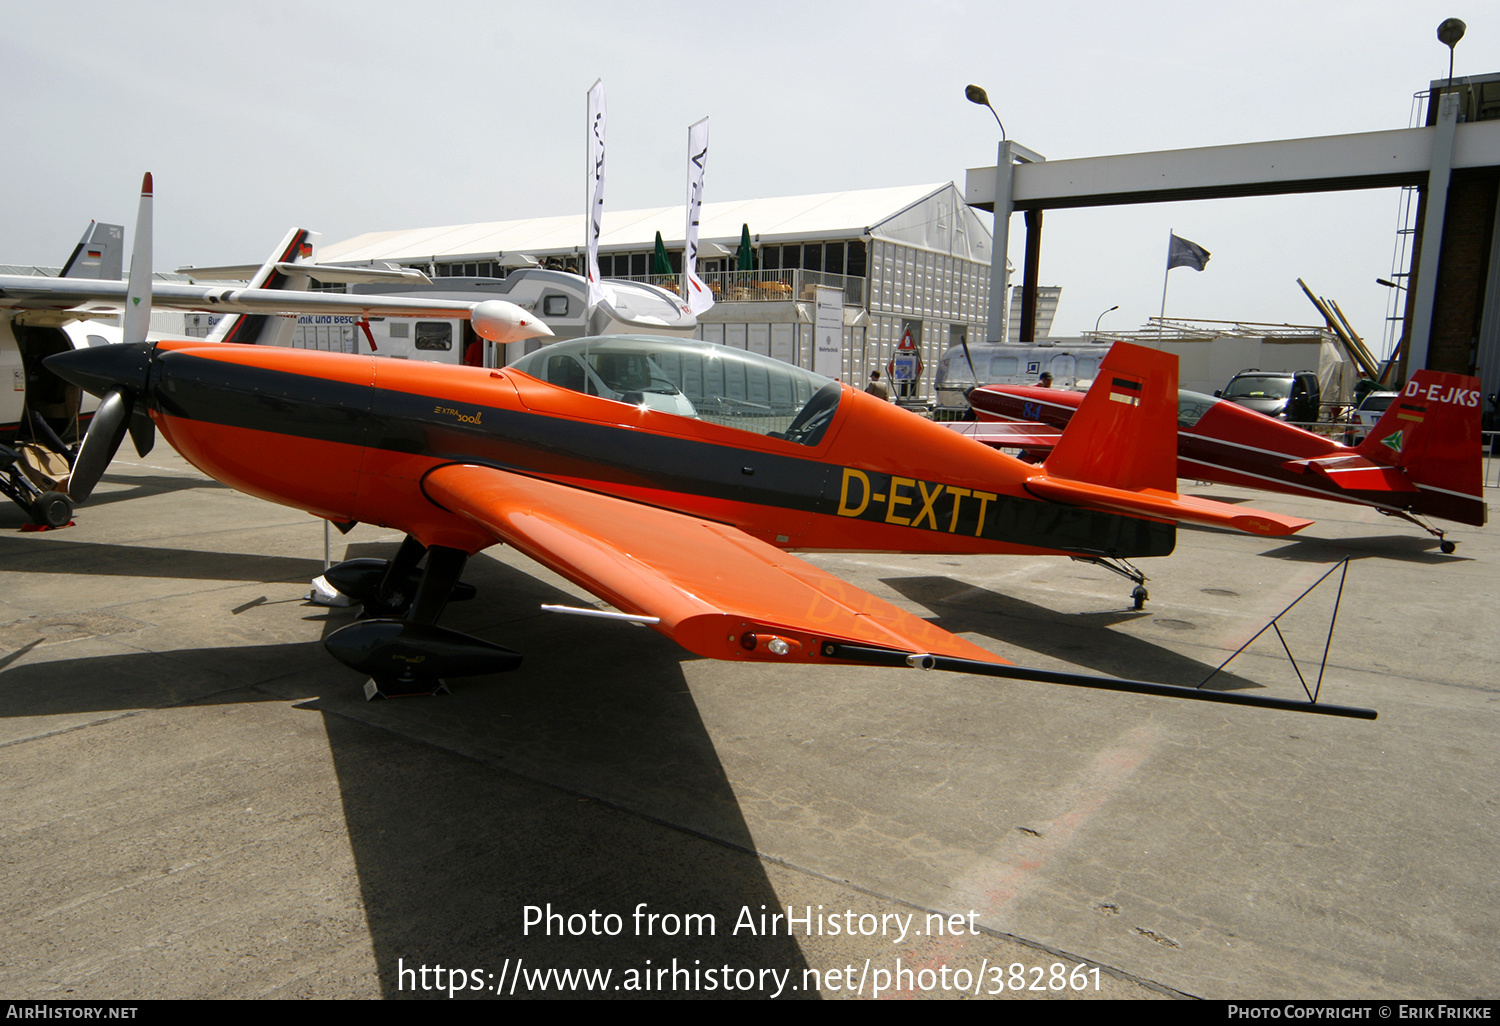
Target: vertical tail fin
(1432, 433)
(1124, 435)
(276, 273)
(98, 255)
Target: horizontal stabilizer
(1354, 473)
(1002, 435)
(1152, 502)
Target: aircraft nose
(100, 368)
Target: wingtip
(1266, 524)
(146, 184)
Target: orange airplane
(667, 477)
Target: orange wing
(716, 591)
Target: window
(833, 258)
(554, 306)
(856, 264)
(434, 335)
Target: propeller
(120, 377)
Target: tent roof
(829, 215)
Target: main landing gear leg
(444, 566)
(391, 598)
(413, 655)
(1138, 594)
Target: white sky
(347, 117)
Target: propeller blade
(100, 443)
(142, 431)
(138, 296)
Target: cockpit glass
(1191, 406)
(689, 378)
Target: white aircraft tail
(99, 255)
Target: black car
(1287, 395)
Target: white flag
(595, 220)
(697, 295)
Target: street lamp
(999, 252)
(1448, 33)
(1101, 317)
(976, 94)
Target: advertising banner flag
(694, 292)
(595, 219)
(1182, 253)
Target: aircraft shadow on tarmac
(1407, 548)
(585, 780)
(50, 554)
(138, 487)
(1083, 639)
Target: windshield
(1191, 406)
(705, 380)
(1259, 387)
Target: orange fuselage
(352, 438)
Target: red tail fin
(1432, 433)
(1124, 435)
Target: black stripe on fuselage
(612, 456)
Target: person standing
(879, 389)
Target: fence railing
(781, 286)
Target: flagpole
(1161, 320)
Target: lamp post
(1448, 33)
(976, 94)
(999, 249)
(1101, 317)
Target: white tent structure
(910, 260)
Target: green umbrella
(660, 264)
(747, 258)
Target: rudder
(1432, 433)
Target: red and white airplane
(1423, 458)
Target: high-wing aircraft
(1422, 459)
(42, 316)
(667, 477)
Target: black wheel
(53, 509)
(1447, 546)
(1139, 597)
